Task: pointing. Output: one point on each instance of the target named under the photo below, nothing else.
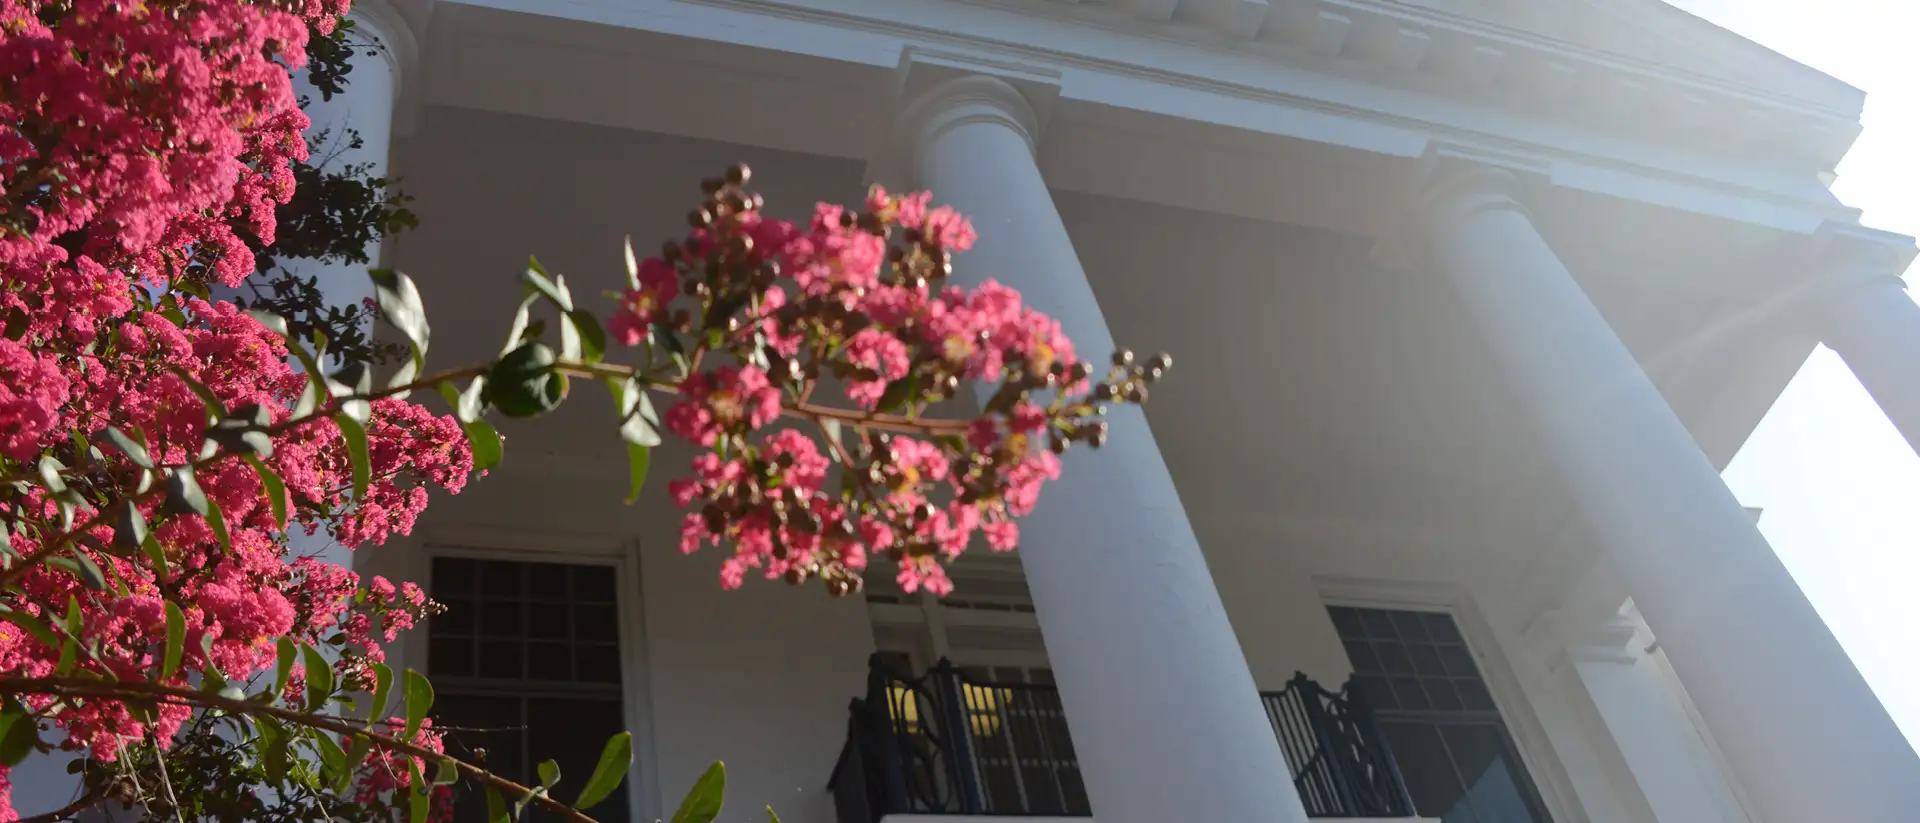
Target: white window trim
(622, 555)
(1529, 734)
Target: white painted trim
(643, 792)
(1529, 734)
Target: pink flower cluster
(856, 301)
(141, 143)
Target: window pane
(1393, 658)
(596, 623)
(457, 619)
(548, 582)
(450, 656)
(1379, 624)
(571, 732)
(452, 577)
(1362, 657)
(1428, 771)
(1426, 661)
(1458, 661)
(500, 581)
(1347, 623)
(1484, 761)
(1411, 625)
(593, 584)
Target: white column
(1803, 732)
(1875, 326)
(1165, 715)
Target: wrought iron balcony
(944, 744)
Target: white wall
(759, 677)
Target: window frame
(619, 554)
(1524, 728)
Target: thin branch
(86, 801)
(86, 687)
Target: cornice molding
(1795, 209)
(1428, 50)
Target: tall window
(526, 666)
(1451, 743)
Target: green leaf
(482, 440)
(32, 625)
(244, 431)
(183, 492)
(447, 774)
(352, 383)
(898, 393)
(19, 732)
(88, 571)
(399, 300)
(382, 690)
(357, 752)
(217, 521)
(420, 800)
(319, 677)
(639, 423)
(356, 436)
(129, 527)
(702, 803)
(592, 339)
(273, 487)
(633, 263)
(273, 322)
(523, 383)
(70, 645)
(271, 748)
(284, 657)
(419, 700)
(333, 760)
(518, 328)
(771, 817)
(549, 773)
(615, 759)
(552, 288)
(155, 555)
(176, 642)
(496, 808)
(50, 470)
(639, 458)
(133, 449)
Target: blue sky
(1840, 487)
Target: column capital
(388, 29)
(937, 92)
(1561, 638)
(1448, 185)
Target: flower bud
(712, 185)
(923, 512)
(700, 218)
(796, 577)
(1079, 372)
(1098, 436)
(838, 588)
(739, 173)
(1123, 358)
(1104, 391)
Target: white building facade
(1471, 301)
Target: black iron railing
(1340, 761)
(944, 744)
